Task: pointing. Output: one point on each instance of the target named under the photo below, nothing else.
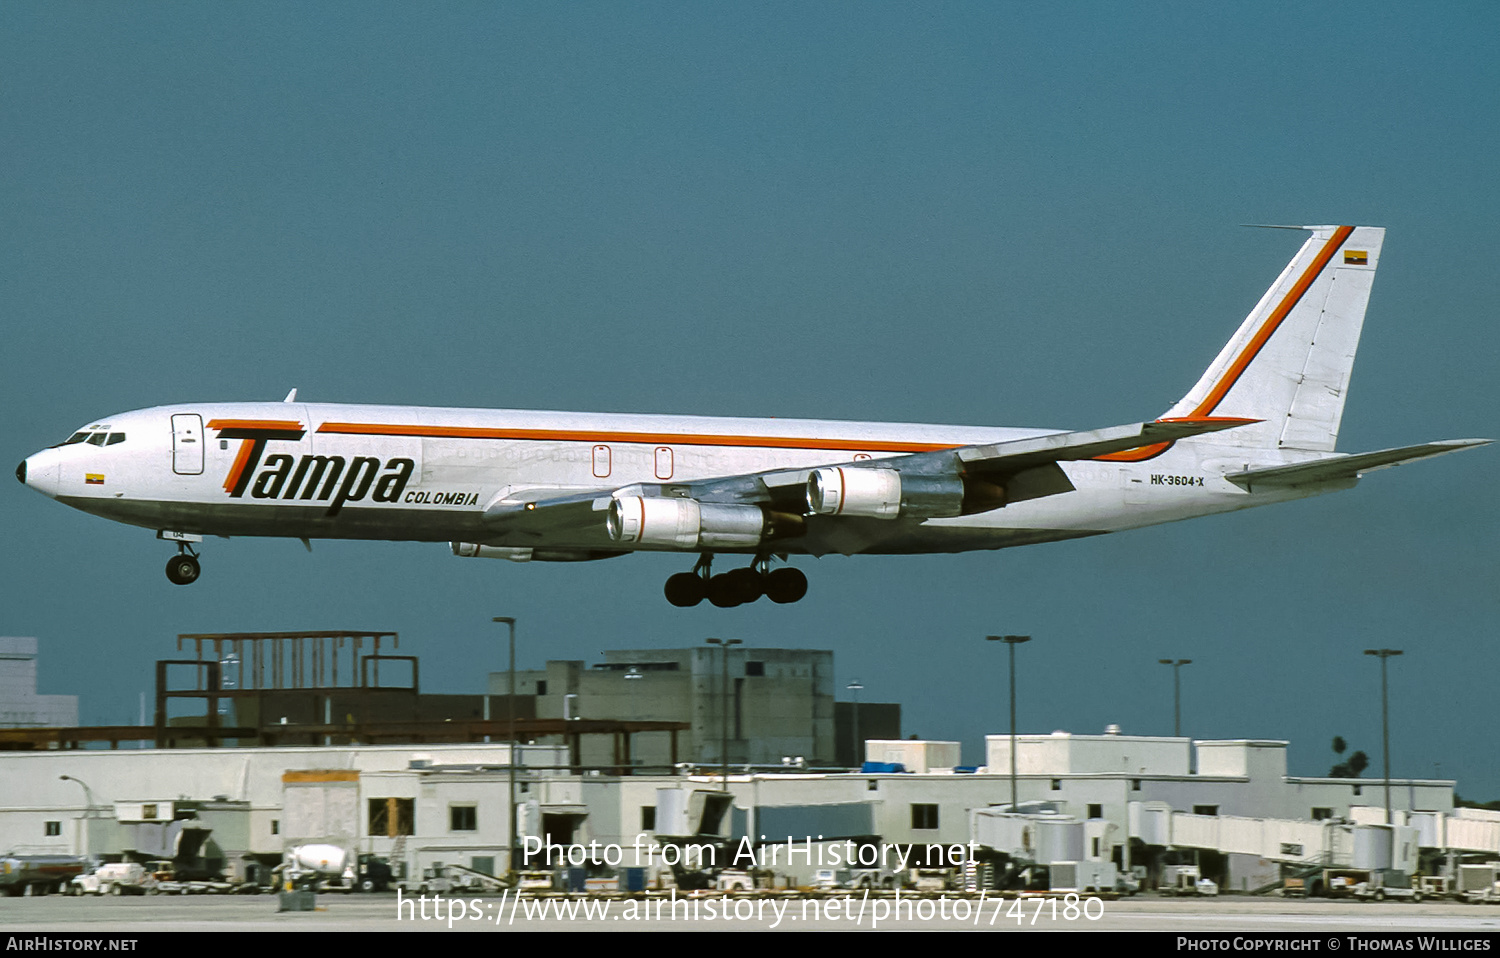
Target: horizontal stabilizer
(1338, 468)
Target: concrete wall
(1062, 753)
(20, 705)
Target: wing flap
(1342, 468)
(1022, 454)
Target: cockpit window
(94, 436)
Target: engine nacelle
(472, 550)
(882, 494)
(690, 524)
(528, 554)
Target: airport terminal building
(649, 752)
(421, 806)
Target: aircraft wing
(1027, 468)
(1340, 468)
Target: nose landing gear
(183, 568)
(737, 586)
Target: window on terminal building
(1205, 809)
(924, 816)
(54, 828)
(541, 687)
(1057, 784)
(1321, 814)
(463, 818)
(1096, 811)
(755, 669)
(648, 818)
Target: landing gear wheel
(747, 584)
(724, 592)
(786, 585)
(685, 589)
(183, 569)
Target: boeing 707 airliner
(1259, 427)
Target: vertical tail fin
(1289, 363)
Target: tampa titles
(333, 479)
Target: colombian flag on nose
(94, 479)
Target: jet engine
(690, 524)
(883, 494)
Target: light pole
(1385, 734)
(511, 751)
(1176, 693)
(855, 687)
(1012, 641)
(632, 676)
(724, 690)
(88, 810)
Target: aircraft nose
(40, 472)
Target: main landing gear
(183, 569)
(737, 586)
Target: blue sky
(1005, 214)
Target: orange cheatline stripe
(1269, 327)
(1142, 453)
(253, 424)
(240, 461)
(1138, 454)
(680, 439)
(1239, 419)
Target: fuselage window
(115, 437)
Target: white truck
(829, 879)
(1479, 884)
(1386, 883)
(1186, 880)
(115, 878)
(1085, 876)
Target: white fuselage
(428, 474)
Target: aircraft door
(1134, 483)
(187, 444)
